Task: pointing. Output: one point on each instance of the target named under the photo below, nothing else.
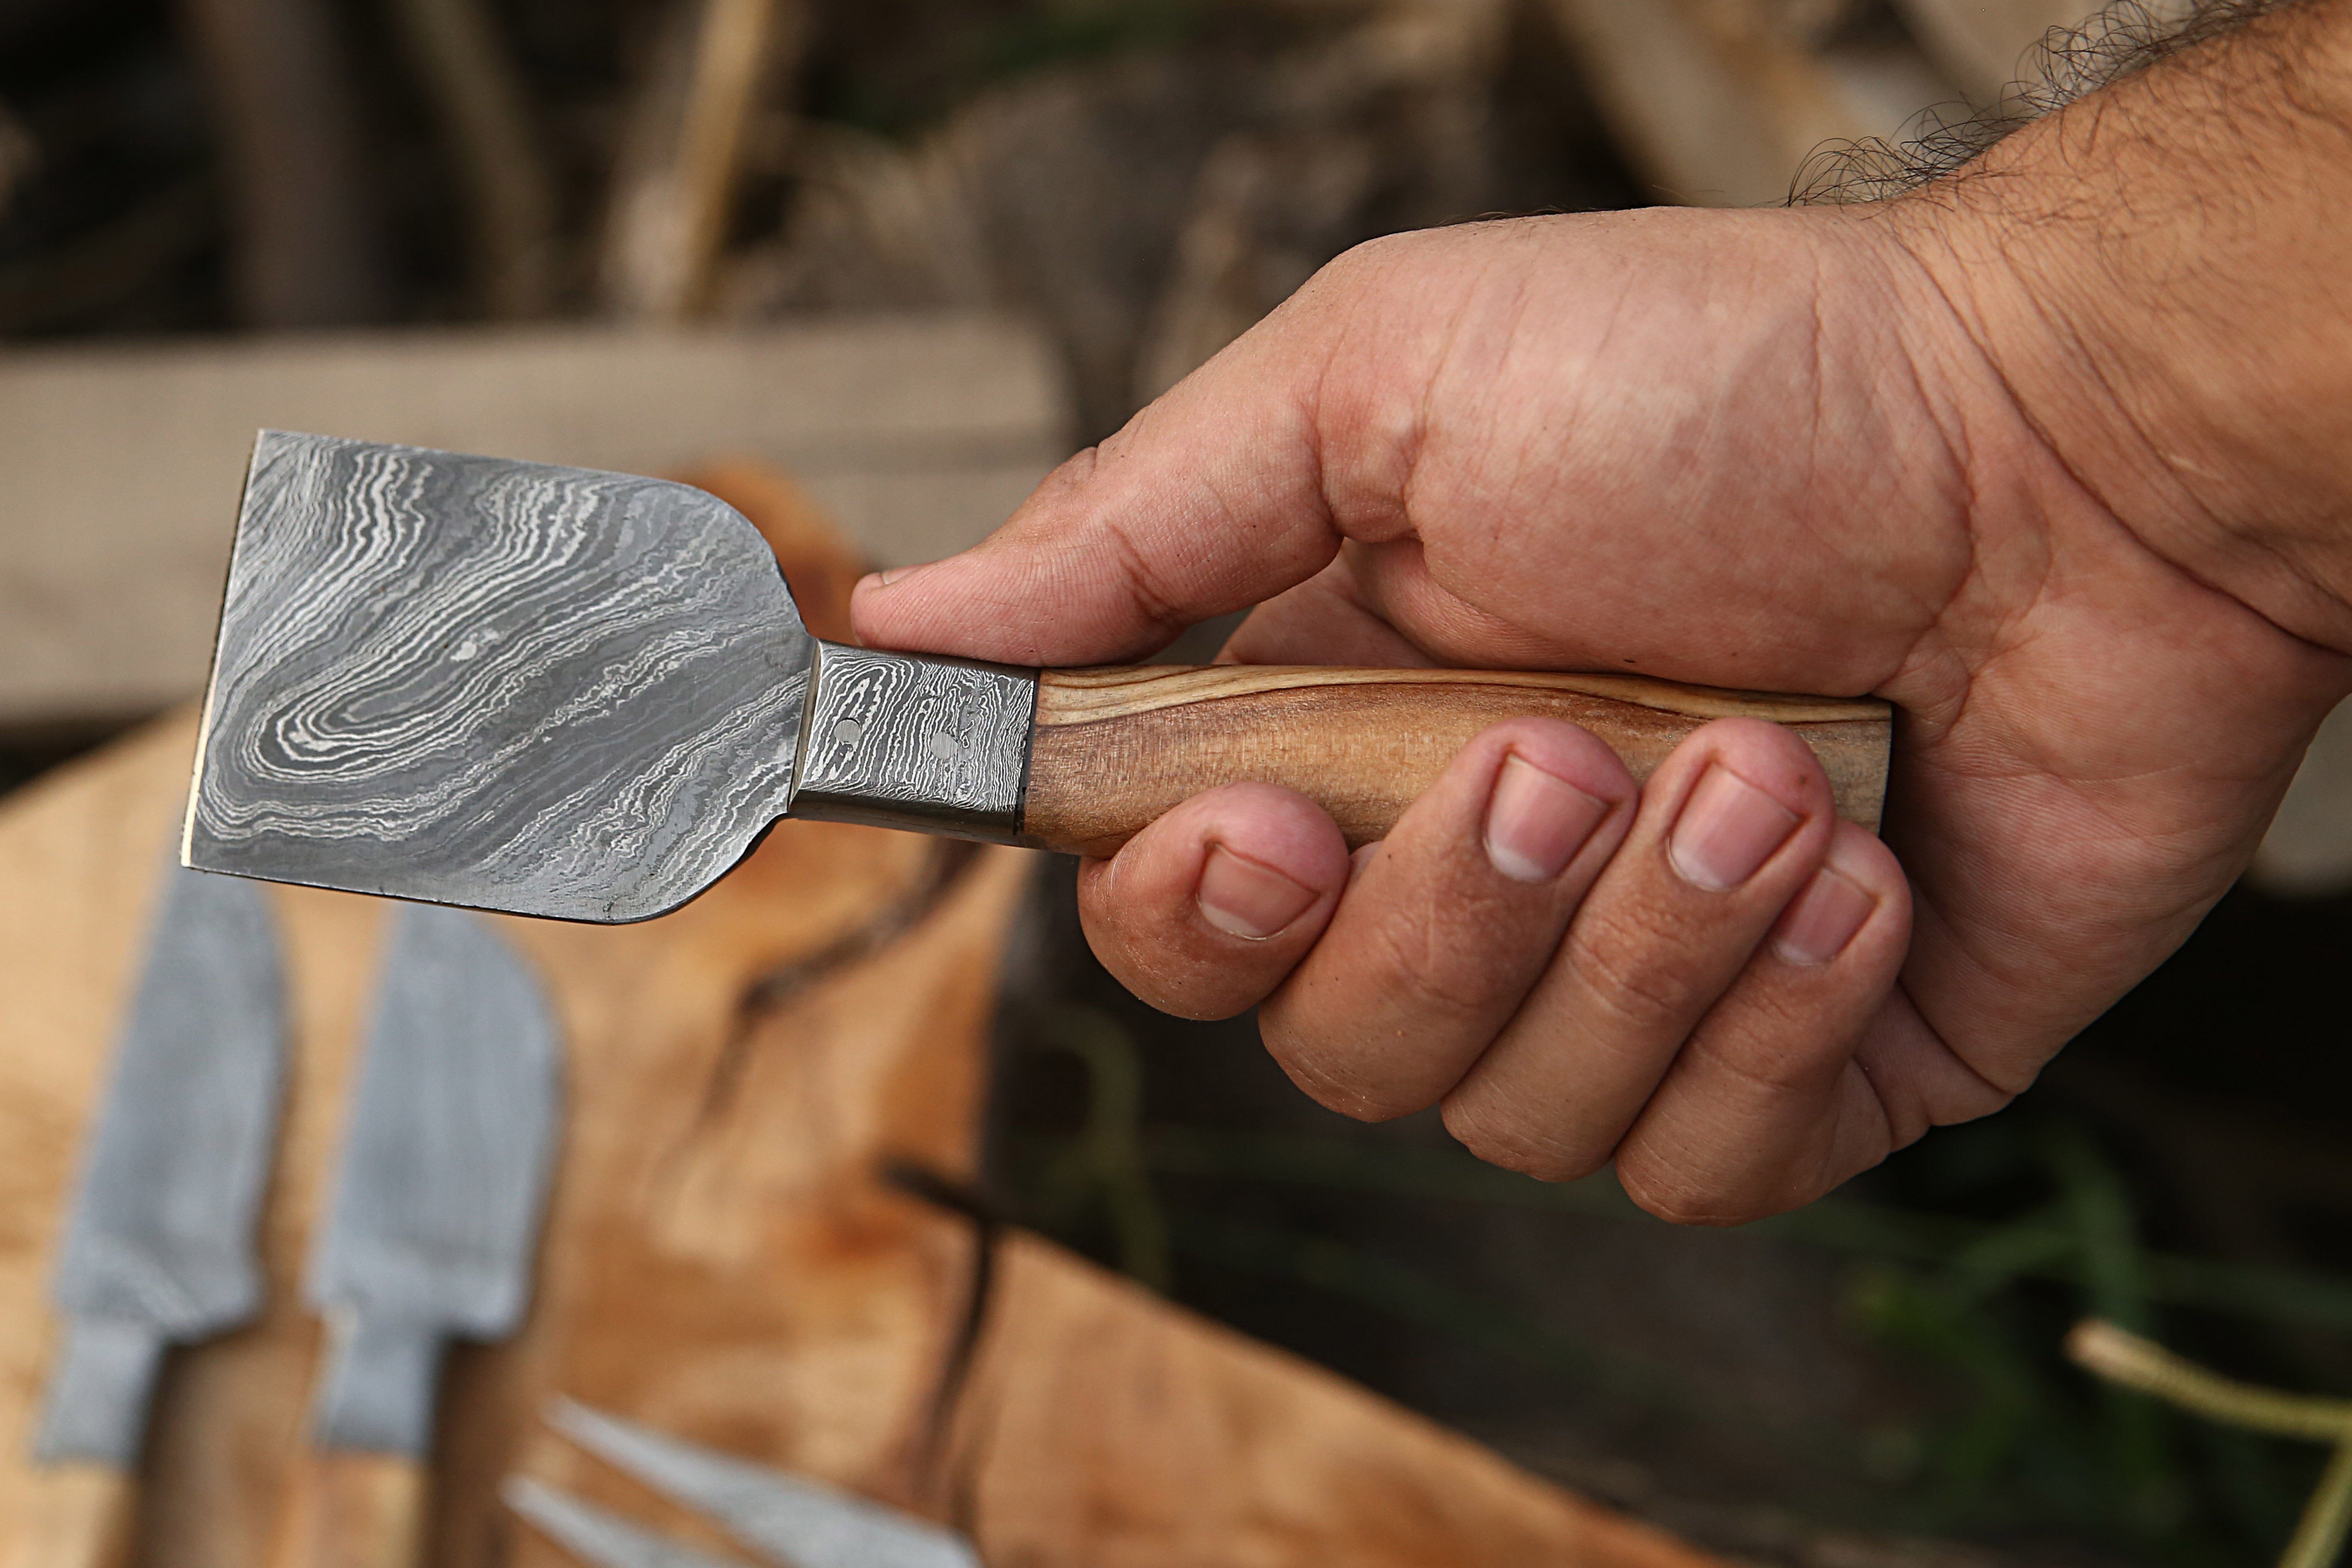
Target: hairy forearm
(2161, 275)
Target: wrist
(2160, 275)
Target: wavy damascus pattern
(434, 1218)
(939, 745)
(464, 679)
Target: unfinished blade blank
(435, 1220)
(785, 1519)
(597, 1535)
(160, 1248)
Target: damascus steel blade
(782, 1518)
(470, 681)
(160, 1247)
(435, 1220)
(595, 1535)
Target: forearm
(2161, 275)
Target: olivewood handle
(348, 1509)
(78, 1515)
(1114, 748)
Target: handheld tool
(160, 1247)
(432, 1229)
(597, 1535)
(785, 1520)
(554, 691)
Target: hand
(1773, 450)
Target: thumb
(1210, 500)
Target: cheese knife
(598, 1536)
(431, 1231)
(554, 691)
(160, 1246)
(785, 1519)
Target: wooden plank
(1987, 44)
(1105, 1428)
(119, 468)
(1719, 104)
(720, 1259)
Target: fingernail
(1536, 821)
(1728, 828)
(890, 575)
(1247, 898)
(1825, 918)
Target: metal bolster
(932, 745)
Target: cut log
(720, 1261)
(125, 465)
(1718, 104)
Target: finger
(1208, 909)
(1767, 1108)
(1324, 620)
(1920, 1081)
(1210, 500)
(1441, 934)
(1235, 486)
(1731, 826)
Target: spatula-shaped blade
(160, 1247)
(470, 681)
(435, 1219)
(785, 1519)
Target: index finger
(1217, 497)
(1178, 517)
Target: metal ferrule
(932, 745)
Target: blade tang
(352, 1510)
(99, 1384)
(376, 1393)
(77, 1513)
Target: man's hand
(1788, 451)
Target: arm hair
(2121, 41)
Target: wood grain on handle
(79, 1516)
(348, 1510)
(1115, 748)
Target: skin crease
(1869, 449)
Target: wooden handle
(346, 1510)
(79, 1516)
(1115, 748)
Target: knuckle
(1323, 1073)
(1434, 974)
(1772, 1064)
(1155, 600)
(1678, 1200)
(1513, 1144)
(1629, 967)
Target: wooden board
(720, 1259)
(1721, 102)
(123, 467)
(1987, 44)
